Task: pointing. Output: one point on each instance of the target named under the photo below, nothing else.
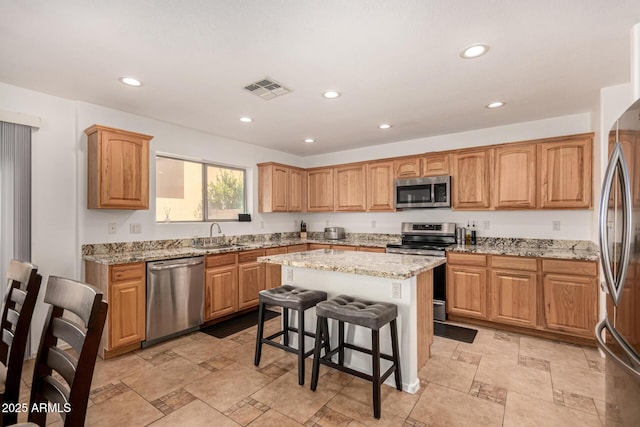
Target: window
(198, 191)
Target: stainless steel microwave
(428, 192)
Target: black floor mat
(237, 324)
(453, 332)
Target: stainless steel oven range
(430, 239)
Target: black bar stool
(372, 315)
(289, 298)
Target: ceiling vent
(267, 88)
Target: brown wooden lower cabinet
(570, 303)
(220, 286)
(314, 246)
(273, 272)
(513, 297)
(297, 248)
(251, 278)
(371, 249)
(467, 291)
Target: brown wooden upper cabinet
(320, 190)
(280, 188)
(514, 177)
(408, 167)
(471, 178)
(349, 188)
(380, 186)
(564, 175)
(118, 169)
(436, 164)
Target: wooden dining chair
(63, 370)
(20, 299)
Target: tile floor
(502, 379)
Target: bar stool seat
(289, 298)
(369, 314)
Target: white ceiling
(394, 61)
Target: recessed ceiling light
(130, 81)
(246, 119)
(384, 126)
(495, 105)
(309, 140)
(331, 94)
(474, 51)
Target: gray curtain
(15, 195)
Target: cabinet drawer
(123, 272)
(314, 246)
(467, 259)
(584, 268)
(343, 247)
(276, 251)
(250, 256)
(222, 259)
(514, 263)
(297, 248)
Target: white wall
(574, 224)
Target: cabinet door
(514, 176)
(407, 168)
(296, 190)
(513, 297)
(467, 291)
(349, 188)
(119, 170)
(279, 188)
(565, 173)
(127, 312)
(570, 303)
(273, 272)
(251, 280)
(470, 181)
(320, 190)
(220, 292)
(380, 186)
(297, 248)
(436, 164)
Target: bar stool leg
(375, 354)
(301, 347)
(325, 331)
(320, 325)
(285, 326)
(341, 343)
(396, 354)
(256, 360)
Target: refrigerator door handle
(604, 324)
(615, 284)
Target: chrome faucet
(211, 231)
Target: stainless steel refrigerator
(618, 334)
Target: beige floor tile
(196, 413)
(297, 402)
(157, 381)
(362, 414)
(553, 351)
(127, 409)
(443, 347)
(112, 370)
(203, 349)
(245, 354)
(393, 401)
(513, 377)
(524, 411)
(442, 406)
(582, 381)
(327, 417)
(149, 352)
(226, 387)
(486, 344)
(449, 373)
(273, 418)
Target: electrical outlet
(135, 228)
(289, 274)
(373, 224)
(112, 228)
(396, 290)
(486, 225)
(555, 225)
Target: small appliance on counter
(334, 233)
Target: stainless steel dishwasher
(175, 295)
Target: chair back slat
(63, 363)
(85, 301)
(23, 285)
(18, 296)
(69, 332)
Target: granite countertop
(388, 266)
(127, 253)
(583, 251)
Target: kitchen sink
(218, 245)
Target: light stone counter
(390, 266)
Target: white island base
(413, 296)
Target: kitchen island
(405, 280)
